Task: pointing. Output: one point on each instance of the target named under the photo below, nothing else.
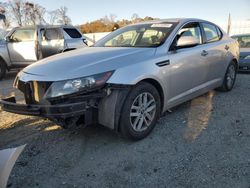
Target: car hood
(85, 62)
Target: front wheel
(229, 78)
(140, 112)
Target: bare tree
(34, 14)
(109, 19)
(62, 17)
(17, 12)
(134, 17)
(112, 18)
(52, 17)
(25, 13)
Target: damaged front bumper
(49, 111)
(103, 107)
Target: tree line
(108, 23)
(23, 13)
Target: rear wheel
(2, 70)
(229, 78)
(140, 112)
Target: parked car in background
(244, 42)
(25, 45)
(130, 77)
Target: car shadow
(30, 127)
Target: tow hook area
(89, 117)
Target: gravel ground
(202, 143)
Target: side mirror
(187, 41)
(8, 39)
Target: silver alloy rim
(230, 76)
(142, 111)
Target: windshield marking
(162, 25)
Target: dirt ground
(201, 143)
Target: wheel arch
(158, 87)
(236, 62)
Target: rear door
(22, 46)
(52, 41)
(188, 66)
(216, 50)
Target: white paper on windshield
(162, 25)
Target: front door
(188, 68)
(22, 46)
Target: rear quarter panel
(234, 49)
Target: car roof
(174, 20)
(45, 26)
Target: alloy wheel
(142, 111)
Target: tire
(2, 70)
(229, 78)
(140, 112)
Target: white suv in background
(25, 45)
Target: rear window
(73, 33)
(211, 32)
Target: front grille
(33, 91)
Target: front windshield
(244, 41)
(141, 35)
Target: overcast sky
(212, 10)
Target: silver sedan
(130, 77)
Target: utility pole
(229, 24)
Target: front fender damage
(110, 107)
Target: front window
(23, 35)
(141, 35)
(191, 30)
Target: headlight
(67, 87)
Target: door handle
(227, 47)
(163, 63)
(204, 53)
